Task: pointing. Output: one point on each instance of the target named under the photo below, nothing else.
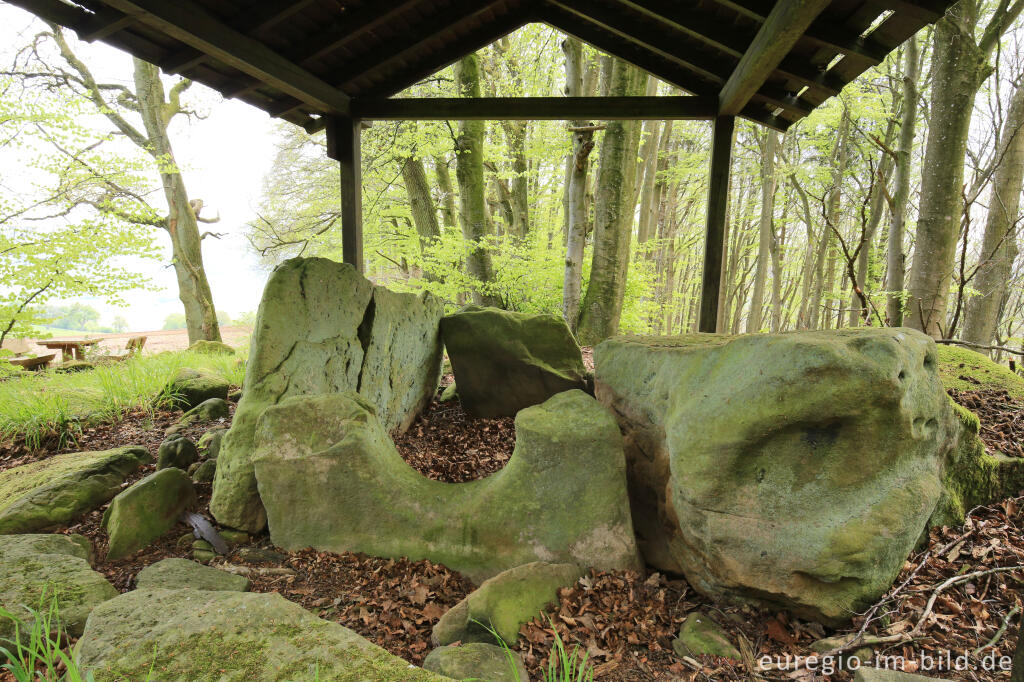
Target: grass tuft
(47, 406)
(37, 654)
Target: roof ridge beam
(676, 107)
(190, 23)
(778, 34)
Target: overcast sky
(223, 160)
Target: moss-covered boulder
(324, 328)
(210, 442)
(794, 470)
(147, 510)
(699, 636)
(503, 603)
(174, 574)
(504, 361)
(211, 348)
(189, 388)
(203, 472)
(476, 662)
(58, 490)
(176, 451)
(207, 411)
(332, 479)
(966, 370)
(229, 637)
(35, 569)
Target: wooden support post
(714, 240)
(343, 145)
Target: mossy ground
(956, 363)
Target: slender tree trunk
(444, 182)
(182, 225)
(895, 258)
(469, 169)
(575, 189)
(958, 69)
(424, 217)
(515, 137)
(999, 244)
(613, 215)
(823, 278)
(649, 154)
(766, 229)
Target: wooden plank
(190, 23)
(348, 26)
(714, 239)
(344, 146)
(780, 31)
(537, 108)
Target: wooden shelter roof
(771, 61)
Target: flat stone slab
(229, 637)
(172, 574)
(58, 490)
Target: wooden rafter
(776, 37)
(190, 23)
(536, 108)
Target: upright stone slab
(58, 490)
(317, 332)
(229, 637)
(794, 470)
(506, 361)
(332, 479)
(147, 510)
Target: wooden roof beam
(190, 23)
(687, 107)
(346, 28)
(778, 34)
(729, 41)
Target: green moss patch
(965, 370)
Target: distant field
(156, 341)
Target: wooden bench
(20, 348)
(132, 348)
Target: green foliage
(55, 241)
(53, 405)
(175, 321)
(562, 666)
(38, 654)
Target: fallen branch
(957, 342)
(1000, 632)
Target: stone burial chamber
(323, 328)
(332, 479)
(795, 470)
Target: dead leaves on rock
(1002, 419)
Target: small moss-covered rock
(699, 635)
(60, 489)
(211, 348)
(561, 497)
(324, 328)
(504, 361)
(477, 662)
(147, 510)
(451, 392)
(190, 388)
(210, 442)
(172, 574)
(207, 411)
(235, 537)
(205, 471)
(229, 637)
(504, 603)
(203, 551)
(176, 451)
(34, 568)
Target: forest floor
(625, 621)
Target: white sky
(223, 159)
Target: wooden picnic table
(72, 349)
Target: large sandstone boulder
(332, 479)
(795, 470)
(35, 569)
(323, 328)
(147, 510)
(58, 490)
(504, 361)
(228, 637)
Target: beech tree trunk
(424, 217)
(575, 189)
(182, 225)
(614, 206)
(766, 229)
(999, 244)
(469, 170)
(895, 258)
